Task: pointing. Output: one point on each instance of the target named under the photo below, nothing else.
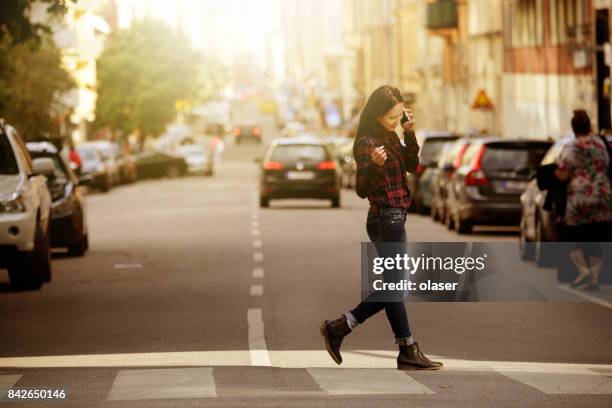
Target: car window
(60, 173)
(23, 154)
(88, 154)
(8, 163)
(508, 157)
(430, 151)
(291, 153)
(551, 156)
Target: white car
(25, 206)
(198, 158)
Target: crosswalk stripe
(7, 381)
(163, 384)
(354, 381)
(278, 358)
(558, 380)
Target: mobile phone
(405, 117)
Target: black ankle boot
(411, 358)
(334, 332)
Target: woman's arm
(410, 152)
(367, 171)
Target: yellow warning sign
(482, 102)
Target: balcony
(442, 14)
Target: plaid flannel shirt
(387, 185)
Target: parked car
(94, 167)
(155, 164)
(486, 188)
(300, 167)
(68, 220)
(450, 159)
(110, 154)
(200, 160)
(420, 181)
(127, 166)
(25, 212)
(247, 131)
(537, 225)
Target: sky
(227, 27)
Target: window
(292, 153)
(524, 20)
(8, 164)
(567, 21)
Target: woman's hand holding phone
(379, 155)
(408, 120)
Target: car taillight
(271, 165)
(420, 169)
(326, 165)
(237, 132)
(256, 131)
(475, 176)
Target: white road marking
(354, 381)
(258, 273)
(255, 232)
(586, 296)
(255, 224)
(128, 266)
(6, 382)
(257, 243)
(558, 380)
(163, 384)
(278, 358)
(257, 341)
(258, 256)
(256, 290)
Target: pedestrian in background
(584, 165)
(382, 163)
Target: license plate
(300, 175)
(510, 186)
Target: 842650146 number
(35, 394)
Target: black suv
(300, 167)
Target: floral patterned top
(589, 197)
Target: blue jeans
(386, 226)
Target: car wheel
(173, 172)
(434, 213)
(79, 247)
(449, 220)
(32, 268)
(525, 246)
(264, 202)
(463, 226)
(424, 210)
(106, 185)
(336, 201)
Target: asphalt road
(193, 296)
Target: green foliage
(14, 21)
(31, 82)
(142, 73)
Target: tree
(142, 73)
(31, 83)
(15, 19)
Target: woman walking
(382, 163)
(584, 165)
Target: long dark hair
(379, 103)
